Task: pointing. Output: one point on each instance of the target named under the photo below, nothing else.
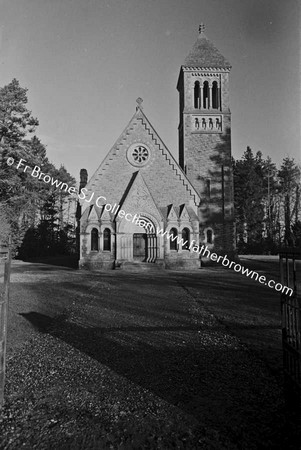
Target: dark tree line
(267, 203)
(40, 217)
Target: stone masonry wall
(161, 174)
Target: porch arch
(125, 238)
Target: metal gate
(290, 267)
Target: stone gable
(165, 180)
(139, 200)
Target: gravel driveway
(139, 360)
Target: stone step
(138, 266)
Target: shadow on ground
(63, 261)
(215, 380)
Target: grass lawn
(144, 360)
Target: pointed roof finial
(201, 28)
(205, 54)
(139, 102)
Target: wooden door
(139, 246)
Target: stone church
(139, 178)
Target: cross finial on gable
(139, 103)
(201, 28)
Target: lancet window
(173, 242)
(94, 240)
(107, 239)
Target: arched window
(215, 94)
(197, 94)
(209, 236)
(173, 242)
(186, 238)
(206, 104)
(94, 239)
(107, 239)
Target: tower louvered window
(215, 95)
(206, 100)
(197, 95)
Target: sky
(85, 62)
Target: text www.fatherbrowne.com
(202, 251)
(206, 253)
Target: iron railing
(290, 268)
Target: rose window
(138, 155)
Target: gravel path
(125, 360)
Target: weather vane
(201, 28)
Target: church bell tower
(205, 140)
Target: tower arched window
(215, 95)
(107, 239)
(173, 239)
(197, 94)
(185, 238)
(94, 239)
(206, 101)
(209, 236)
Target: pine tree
(289, 176)
(24, 200)
(248, 199)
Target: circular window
(138, 155)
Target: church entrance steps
(139, 266)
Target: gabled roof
(166, 211)
(172, 213)
(205, 54)
(122, 143)
(137, 195)
(93, 214)
(183, 212)
(90, 214)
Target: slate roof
(205, 54)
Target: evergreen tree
(289, 176)
(248, 199)
(267, 203)
(25, 201)
(271, 201)
(16, 122)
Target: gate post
(290, 267)
(3, 321)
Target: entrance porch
(137, 244)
